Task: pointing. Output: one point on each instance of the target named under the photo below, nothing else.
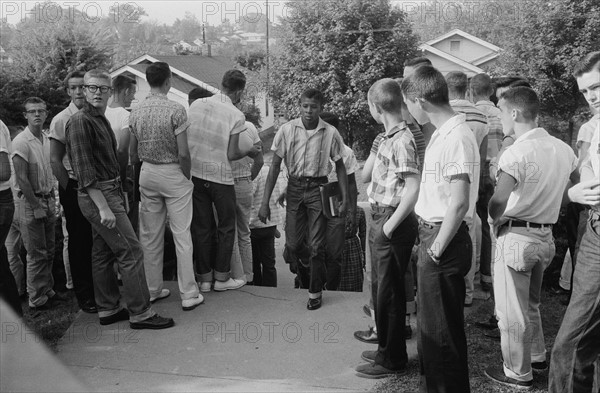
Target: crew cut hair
(97, 73)
(523, 98)
(157, 73)
(33, 100)
(313, 94)
(233, 80)
(386, 94)
(417, 61)
(73, 75)
(428, 84)
(481, 85)
(589, 63)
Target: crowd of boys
(446, 150)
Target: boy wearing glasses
(79, 229)
(91, 146)
(34, 180)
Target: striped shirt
(307, 152)
(495, 133)
(156, 122)
(396, 157)
(91, 147)
(476, 119)
(57, 132)
(213, 121)
(259, 191)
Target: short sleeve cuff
(182, 128)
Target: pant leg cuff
(519, 377)
(205, 277)
(108, 313)
(485, 278)
(315, 295)
(142, 316)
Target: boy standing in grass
(447, 195)
(392, 193)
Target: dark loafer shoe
(367, 336)
(314, 304)
(375, 371)
(89, 306)
(154, 322)
(122, 315)
(496, 374)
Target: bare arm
(264, 212)
(57, 152)
(459, 205)
(367, 171)
(587, 191)
(258, 163)
(21, 170)
(406, 206)
(340, 169)
(183, 152)
(123, 153)
(4, 166)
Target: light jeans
(242, 245)
(38, 238)
(164, 189)
(475, 235)
(522, 255)
(13, 247)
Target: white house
(460, 51)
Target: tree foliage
(340, 47)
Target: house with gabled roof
(460, 51)
(190, 72)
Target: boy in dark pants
(392, 193)
(307, 144)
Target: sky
(163, 11)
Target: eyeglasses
(36, 111)
(94, 88)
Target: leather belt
(37, 194)
(525, 224)
(309, 179)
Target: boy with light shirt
(392, 193)
(532, 175)
(576, 346)
(447, 196)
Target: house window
(454, 46)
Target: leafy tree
(188, 28)
(340, 47)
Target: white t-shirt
(119, 121)
(6, 147)
(587, 130)
(452, 150)
(541, 165)
(350, 162)
(243, 166)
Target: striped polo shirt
(476, 119)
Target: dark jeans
(8, 286)
(306, 225)
(486, 190)
(263, 256)
(207, 193)
(334, 248)
(80, 243)
(441, 339)
(117, 245)
(576, 347)
(390, 259)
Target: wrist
(432, 255)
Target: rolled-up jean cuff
(523, 378)
(142, 316)
(221, 276)
(205, 277)
(109, 313)
(486, 278)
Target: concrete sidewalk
(252, 339)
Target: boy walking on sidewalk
(392, 193)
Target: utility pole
(267, 62)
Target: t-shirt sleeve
(124, 120)
(180, 121)
(461, 158)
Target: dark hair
(589, 63)
(72, 75)
(33, 100)
(233, 80)
(157, 73)
(122, 82)
(457, 83)
(199, 92)
(506, 81)
(481, 85)
(330, 118)
(386, 94)
(426, 83)
(523, 98)
(313, 94)
(417, 61)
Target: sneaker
(122, 315)
(376, 371)
(154, 322)
(538, 367)
(205, 286)
(367, 336)
(190, 304)
(496, 374)
(232, 283)
(164, 293)
(369, 356)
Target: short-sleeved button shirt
(541, 165)
(37, 155)
(213, 121)
(308, 152)
(452, 151)
(396, 157)
(5, 147)
(587, 130)
(593, 161)
(350, 163)
(156, 122)
(58, 126)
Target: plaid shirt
(495, 133)
(419, 141)
(156, 122)
(396, 157)
(91, 147)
